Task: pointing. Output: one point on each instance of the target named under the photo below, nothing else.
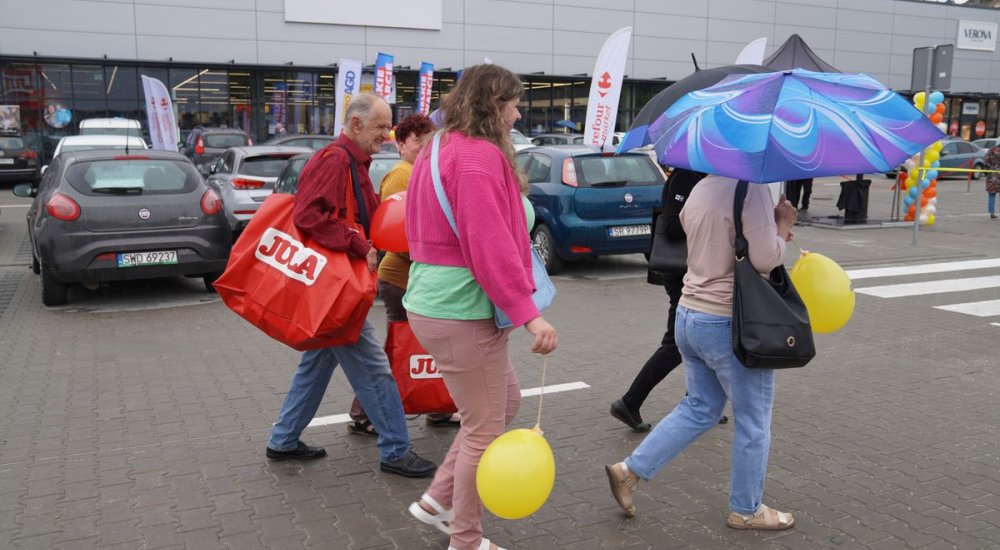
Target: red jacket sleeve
(320, 204)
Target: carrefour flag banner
(424, 89)
(160, 115)
(383, 75)
(348, 84)
(606, 88)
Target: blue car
(588, 203)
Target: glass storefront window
(322, 121)
(214, 95)
(275, 103)
(240, 100)
(991, 117)
(184, 89)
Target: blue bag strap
(438, 188)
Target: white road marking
(995, 324)
(930, 287)
(988, 308)
(15, 205)
(921, 269)
(555, 388)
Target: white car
(519, 141)
(93, 142)
(110, 127)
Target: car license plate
(6, 161)
(628, 231)
(158, 257)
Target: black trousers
(793, 188)
(664, 359)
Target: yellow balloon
(930, 219)
(932, 156)
(918, 100)
(826, 291)
(516, 474)
(937, 145)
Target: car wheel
(209, 280)
(53, 292)
(977, 175)
(542, 240)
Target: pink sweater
(493, 241)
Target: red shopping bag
(420, 384)
(291, 288)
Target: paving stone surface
(136, 417)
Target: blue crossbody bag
(545, 291)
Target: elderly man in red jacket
(320, 209)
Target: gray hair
(361, 106)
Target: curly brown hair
(474, 107)
(417, 125)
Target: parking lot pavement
(135, 427)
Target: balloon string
(541, 394)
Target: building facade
(254, 64)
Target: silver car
(245, 176)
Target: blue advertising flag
(383, 75)
(424, 89)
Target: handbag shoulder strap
(359, 198)
(438, 188)
(742, 247)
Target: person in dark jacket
(667, 356)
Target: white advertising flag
(753, 53)
(348, 84)
(160, 115)
(606, 89)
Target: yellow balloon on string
(516, 474)
(825, 289)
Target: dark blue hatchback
(589, 203)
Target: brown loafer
(623, 484)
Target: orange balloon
(936, 118)
(908, 218)
(923, 201)
(932, 184)
(930, 193)
(912, 211)
(940, 108)
(389, 224)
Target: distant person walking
(992, 162)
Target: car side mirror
(206, 170)
(25, 190)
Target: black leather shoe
(409, 465)
(622, 412)
(302, 452)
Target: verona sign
(977, 35)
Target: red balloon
(936, 118)
(389, 224)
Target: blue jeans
(991, 202)
(713, 374)
(367, 369)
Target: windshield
(109, 131)
(138, 174)
(81, 147)
(290, 183)
(600, 171)
(264, 166)
(11, 143)
(225, 141)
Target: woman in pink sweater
(457, 281)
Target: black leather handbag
(667, 256)
(771, 327)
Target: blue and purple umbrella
(791, 125)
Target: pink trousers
(472, 358)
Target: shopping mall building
(254, 64)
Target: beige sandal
(623, 484)
(766, 519)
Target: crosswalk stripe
(988, 308)
(921, 269)
(930, 287)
